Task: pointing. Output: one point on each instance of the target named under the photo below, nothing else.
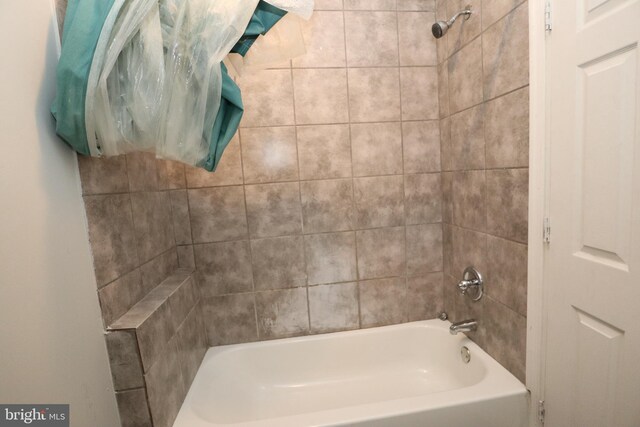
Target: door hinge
(546, 231)
(547, 15)
(541, 411)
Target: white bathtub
(403, 375)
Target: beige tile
(506, 274)
(112, 236)
(324, 151)
(165, 387)
(419, 88)
(423, 5)
(443, 89)
(153, 335)
(282, 313)
(229, 171)
(278, 263)
(156, 270)
(467, 139)
(133, 408)
(469, 198)
(230, 319)
(328, 5)
(180, 215)
(331, 258)
(327, 205)
(119, 296)
(381, 252)
(464, 30)
(321, 96)
(267, 98)
(424, 249)
(182, 301)
(417, 46)
(505, 52)
(507, 203)
(450, 294)
(217, 214)
(469, 249)
(465, 77)
(333, 307)
(376, 149)
(124, 359)
(447, 197)
(153, 223)
(446, 150)
(507, 130)
(142, 171)
(369, 4)
(274, 209)
(103, 175)
(493, 10)
(372, 38)
(423, 198)
(186, 257)
(424, 297)
(383, 302)
(421, 146)
(170, 174)
(379, 201)
(223, 268)
(269, 154)
(191, 341)
(506, 337)
(441, 47)
(324, 41)
(367, 104)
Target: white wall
(51, 344)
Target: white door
(592, 265)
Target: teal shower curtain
(85, 22)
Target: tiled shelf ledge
(155, 350)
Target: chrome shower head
(440, 28)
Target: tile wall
(484, 109)
(325, 213)
(128, 201)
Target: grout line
(248, 239)
(484, 131)
(404, 178)
(254, 238)
(485, 101)
(344, 178)
(505, 306)
(321, 124)
(304, 254)
(354, 208)
(316, 285)
(484, 232)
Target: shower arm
(467, 14)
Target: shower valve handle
(471, 284)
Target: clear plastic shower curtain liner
(155, 81)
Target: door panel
(592, 265)
(605, 126)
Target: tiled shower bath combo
(365, 177)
